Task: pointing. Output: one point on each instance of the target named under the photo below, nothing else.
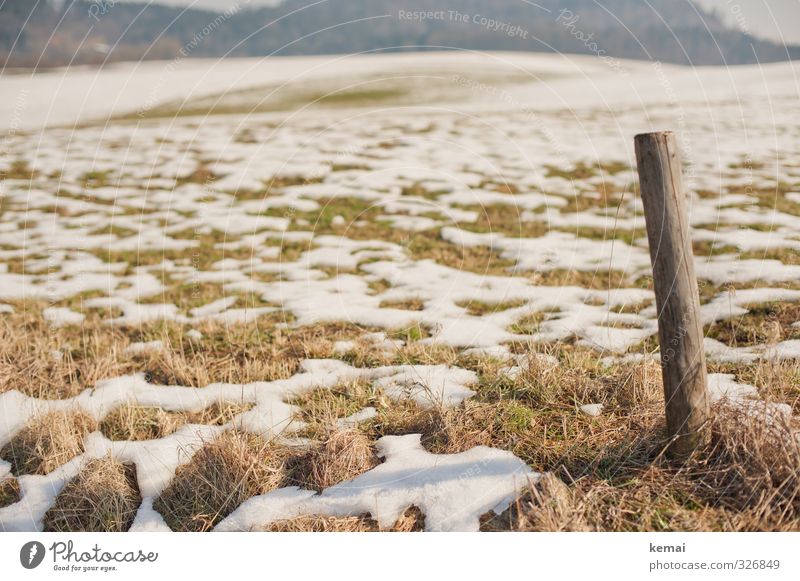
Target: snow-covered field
(479, 202)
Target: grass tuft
(103, 497)
(9, 491)
(221, 476)
(548, 505)
(343, 455)
(137, 423)
(47, 442)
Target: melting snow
(156, 460)
(453, 491)
(57, 227)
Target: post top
(653, 134)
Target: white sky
(778, 20)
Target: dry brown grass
(343, 455)
(612, 465)
(221, 475)
(753, 464)
(746, 479)
(619, 479)
(93, 351)
(480, 308)
(136, 423)
(321, 409)
(528, 324)
(763, 324)
(47, 442)
(412, 304)
(558, 436)
(414, 352)
(777, 381)
(430, 245)
(577, 379)
(548, 505)
(324, 524)
(597, 280)
(103, 497)
(534, 415)
(241, 353)
(229, 354)
(9, 491)
(498, 424)
(426, 244)
(27, 363)
(412, 520)
(504, 219)
(477, 259)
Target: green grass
(479, 308)
(528, 324)
(19, 170)
(409, 334)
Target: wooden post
(680, 333)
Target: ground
(358, 305)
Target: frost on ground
(477, 277)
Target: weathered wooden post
(680, 333)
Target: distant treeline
(47, 33)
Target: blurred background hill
(46, 33)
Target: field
(397, 292)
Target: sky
(773, 19)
